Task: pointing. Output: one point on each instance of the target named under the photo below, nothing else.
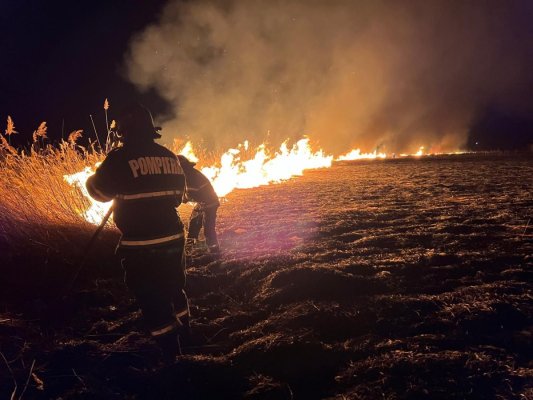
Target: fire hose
(88, 248)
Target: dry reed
(34, 197)
(10, 126)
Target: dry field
(396, 279)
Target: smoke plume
(386, 75)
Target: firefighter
(200, 191)
(146, 183)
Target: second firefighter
(200, 191)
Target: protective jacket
(147, 184)
(199, 189)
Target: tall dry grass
(35, 199)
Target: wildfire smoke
(386, 76)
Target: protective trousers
(207, 218)
(157, 279)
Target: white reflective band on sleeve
(182, 313)
(148, 195)
(150, 241)
(102, 195)
(162, 331)
(193, 189)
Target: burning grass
(34, 196)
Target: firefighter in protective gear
(200, 191)
(146, 183)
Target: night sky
(61, 59)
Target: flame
(95, 213)
(357, 155)
(263, 168)
(188, 152)
(420, 152)
(234, 172)
(423, 153)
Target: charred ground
(396, 279)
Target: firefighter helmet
(135, 121)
